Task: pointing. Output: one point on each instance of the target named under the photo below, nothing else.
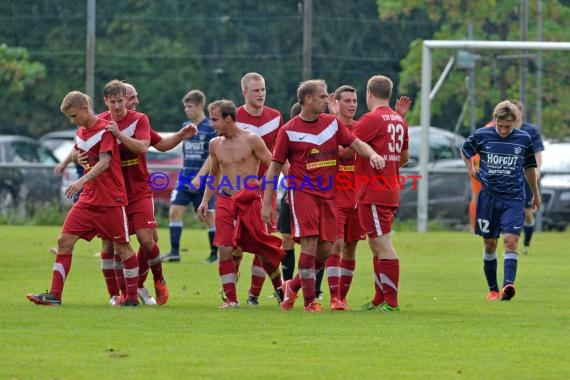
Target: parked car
(54, 140)
(61, 143)
(449, 185)
(23, 188)
(154, 160)
(555, 185)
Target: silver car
(26, 175)
(449, 185)
(555, 185)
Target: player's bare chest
(233, 152)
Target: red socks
(61, 269)
(306, 267)
(155, 264)
(108, 269)
(131, 273)
(378, 293)
(143, 266)
(119, 275)
(257, 277)
(228, 274)
(346, 272)
(332, 266)
(390, 276)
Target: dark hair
(195, 97)
(343, 88)
(114, 88)
(295, 110)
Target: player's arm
(404, 157)
(345, 152)
(403, 104)
(332, 104)
(538, 158)
(469, 165)
(531, 177)
(94, 172)
(285, 168)
(169, 142)
(204, 170)
(213, 180)
(272, 176)
(138, 147)
(59, 168)
(365, 150)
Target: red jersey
(266, 126)
(345, 194)
(312, 151)
(387, 133)
(108, 189)
(135, 125)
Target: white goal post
(425, 115)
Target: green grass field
(445, 330)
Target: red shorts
(312, 216)
(376, 220)
(348, 225)
(141, 214)
(107, 222)
(224, 221)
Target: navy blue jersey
(196, 149)
(534, 133)
(503, 160)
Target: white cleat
(115, 301)
(229, 305)
(145, 297)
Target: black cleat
(170, 258)
(46, 299)
(252, 301)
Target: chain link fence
(167, 48)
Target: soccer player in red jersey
(254, 116)
(236, 155)
(378, 199)
(341, 263)
(310, 143)
(132, 130)
(100, 209)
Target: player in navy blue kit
(190, 188)
(507, 157)
(534, 133)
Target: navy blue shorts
(495, 216)
(184, 197)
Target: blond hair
(506, 110)
(74, 99)
(380, 86)
(309, 87)
(249, 77)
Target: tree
(496, 72)
(17, 74)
